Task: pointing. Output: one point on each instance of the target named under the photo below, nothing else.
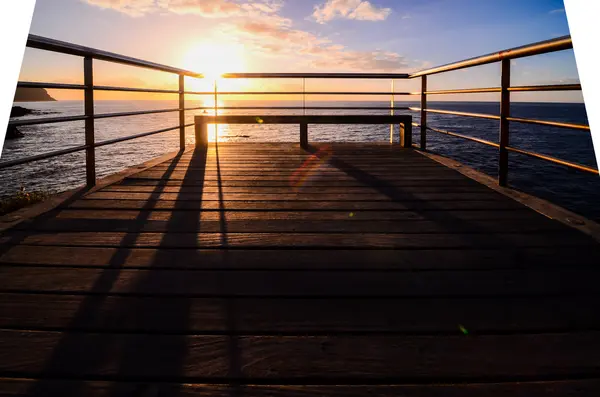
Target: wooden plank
(224, 239)
(294, 165)
(526, 282)
(316, 205)
(120, 314)
(523, 215)
(178, 175)
(307, 183)
(374, 196)
(67, 388)
(256, 162)
(286, 189)
(181, 222)
(289, 170)
(366, 260)
(351, 358)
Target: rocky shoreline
(17, 111)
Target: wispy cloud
(361, 10)
(557, 11)
(221, 8)
(134, 8)
(205, 8)
(260, 27)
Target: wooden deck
(265, 270)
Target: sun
(214, 59)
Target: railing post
(304, 96)
(392, 113)
(406, 134)
(216, 112)
(181, 112)
(504, 123)
(90, 141)
(304, 135)
(423, 112)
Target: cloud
(557, 11)
(221, 8)
(135, 8)
(259, 27)
(204, 8)
(279, 38)
(361, 10)
(362, 61)
(207, 9)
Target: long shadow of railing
(427, 208)
(173, 353)
(229, 306)
(120, 349)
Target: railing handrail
(333, 75)
(63, 47)
(546, 46)
(542, 47)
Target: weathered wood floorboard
(20, 387)
(267, 270)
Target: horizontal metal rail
(580, 127)
(467, 137)
(305, 107)
(44, 156)
(461, 91)
(44, 43)
(554, 160)
(133, 89)
(315, 75)
(54, 86)
(542, 47)
(66, 119)
(61, 86)
(141, 135)
(528, 88)
(137, 113)
(540, 156)
(462, 136)
(295, 93)
(537, 88)
(455, 113)
(46, 120)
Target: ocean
(574, 190)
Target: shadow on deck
(264, 269)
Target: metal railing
(89, 55)
(505, 118)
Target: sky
(217, 36)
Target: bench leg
(304, 136)
(406, 135)
(201, 130)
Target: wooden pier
(272, 270)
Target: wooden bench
(405, 122)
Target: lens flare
(310, 167)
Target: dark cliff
(32, 95)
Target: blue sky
(294, 35)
